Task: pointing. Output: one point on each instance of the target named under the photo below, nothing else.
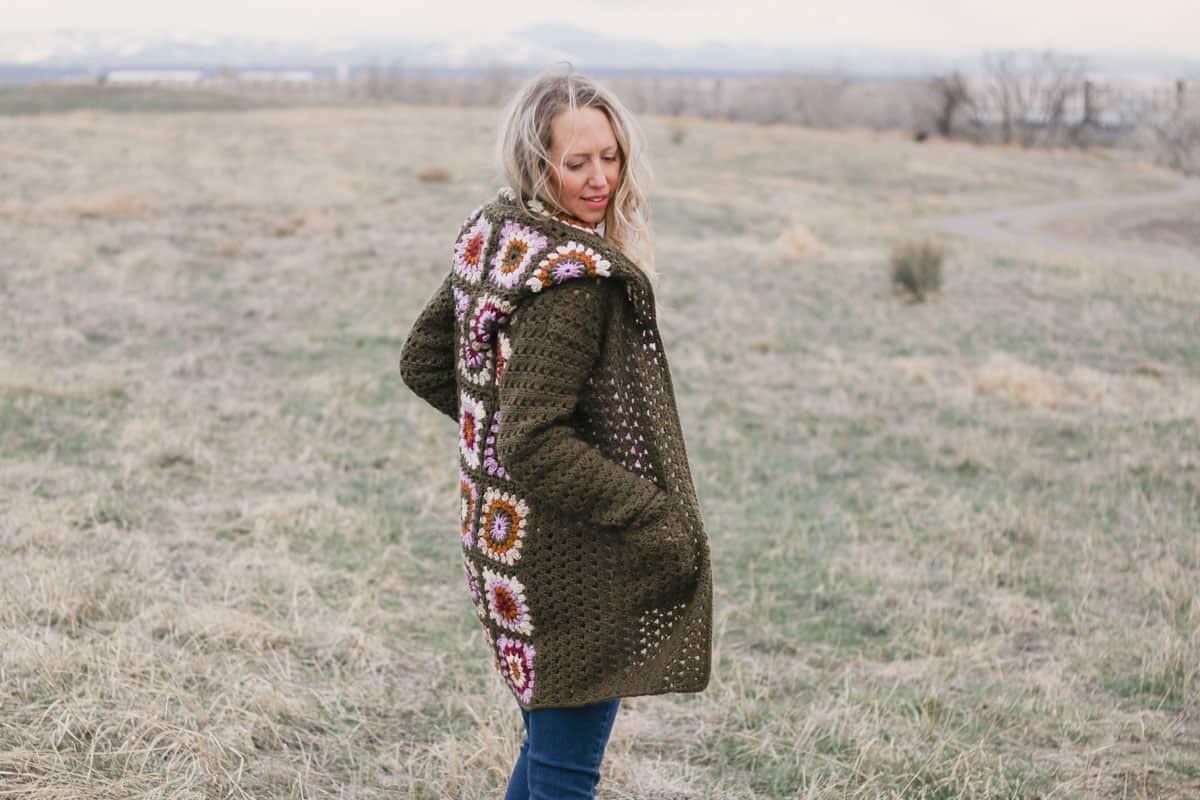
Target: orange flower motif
(502, 531)
(571, 260)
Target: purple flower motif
(490, 461)
(505, 518)
(462, 301)
(571, 260)
(566, 269)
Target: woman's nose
(596, 175)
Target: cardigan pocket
(664, 550)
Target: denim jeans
(561, 754)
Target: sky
(947, 26)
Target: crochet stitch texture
(584, 551)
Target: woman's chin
(589, 215)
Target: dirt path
(1158, 230)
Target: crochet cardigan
(584, 551)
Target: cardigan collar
(611, 262)
(538, 207)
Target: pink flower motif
(490, 313)
(516, 665)
(506, 602)
(472, 358)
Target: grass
(57, 99)
(954, 543)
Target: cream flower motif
(571, 260)
(505, 598)
(516, 250)
(470, 429)
(505, 353)
(503, 526)
(469, 251)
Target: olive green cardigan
(584, 551)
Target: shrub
(916, 267)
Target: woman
(584, 550)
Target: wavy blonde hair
(523, 155)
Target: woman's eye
(574, 166)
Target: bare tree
(1028, 96)
(951, 95)
(1177, 133)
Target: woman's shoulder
(512, 250)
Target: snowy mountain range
(49, 54)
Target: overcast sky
(1157, 26)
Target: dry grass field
(956, 544)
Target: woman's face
(586, 163)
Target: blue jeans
(561, 754)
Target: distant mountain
(594, 51)
(82, 49)
(43, 55)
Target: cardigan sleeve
(427, 356)
(555, 340)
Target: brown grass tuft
(798, 241)
(1019, 382)
(434, 175)
(306, 222)
(1152, 369)
(111, 205)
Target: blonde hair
(523, 155)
